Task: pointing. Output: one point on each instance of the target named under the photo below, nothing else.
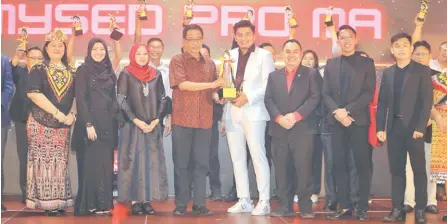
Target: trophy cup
(23, 38)
(142, 10)
(77, 25)
(328, 20)
(291, 18)
(116, 35)
(248, 15)
(226, 72)
(423, 11)
(188, 12)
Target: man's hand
(168, 125)
(91, 133)
(291, 118)
(347, 121)
(418, 23)
(218, 100)
(340, 114)
(285, 123)
(381, 135)
(417, 135)
(219, 83)
(69, 119)
(241, 100)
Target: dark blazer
(7, 90)
(303, 97)
(360, 92)
(416, 98)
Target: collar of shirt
(249, 51)
(434, 64)
(160, 67)
(292, 72)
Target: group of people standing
(299, 107)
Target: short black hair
(346, 27)
(400, 36)
(266, 44)
(155, 39)
(422, 43)
(291, 41)
(207, 48)
(191, 27)
(33, 49)
(244, 23)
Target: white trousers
(253, 132)
(431, 185)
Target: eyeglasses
(194, 40)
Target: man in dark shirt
(20, 107)
(405, 102)
(348, 88)
(193, 80)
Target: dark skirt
(48, 180)
(134, 162)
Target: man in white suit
(246, 116)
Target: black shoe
(201, 210)
(362, 215)
(432, 209)
(408, 209)
(396, 215)
(137, 209)
(147, 209)
(179, 211)
(215, 197)
(232, 196)
(283, 212)
(3, 208)
(419, 216)
(340, 214)
(62, 212)
(53, 212)
(330, 207)
(307, 215)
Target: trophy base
(420, 19)
(293, 26)
(329, 23)
(229, 93)
(79, 32)
(143, 17)
(116, 35)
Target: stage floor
(17, 213)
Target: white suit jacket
(259, 65)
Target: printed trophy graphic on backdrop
(248, 15)
(23, 38)
(291, 20)
(116, 34)
(77, 25)
(226, 72)
(328, 20)
(423, 11)
(188, 11)
(142, 9)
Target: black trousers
(317, 162)
(22, 153)
(214, 174)
(329, 174)
(190, 144)
(353, 138)
(398, 146)
(4, 136)
(292, 157)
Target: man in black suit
(406, 94)
(292, 96)
(348, 88)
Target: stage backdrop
(375, 21)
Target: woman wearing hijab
(96, 130)
(141, 96)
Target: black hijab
(98, 68)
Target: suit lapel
(250, 60)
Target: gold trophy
(226, 72)
(248, 15)
(23, 38)
(116, 35)
(328, 20)
(423, 11)
(291, 18)
(188, 12)
(77, 25)
(142, 10)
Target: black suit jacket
(360, 92)
(416, 99)
(303, 97)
